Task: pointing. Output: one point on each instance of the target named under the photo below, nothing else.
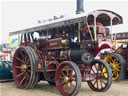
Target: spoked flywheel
(103, 76)
(117, 65)
(24, 71)
(68, 78)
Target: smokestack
(80, 7)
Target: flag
(13, 42)
(1, 47)
(10, 40)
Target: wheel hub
(66, 79)
(114, 66)
(99, 75)
(23, 67)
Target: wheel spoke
(114, 61)
(96, 68)
(111, 59)
(67, 71)
(26, 82)
(22, 79)
(105, 78)
(118, 67)
(71, 72)
(20, 74)
(72, 85)
(93, 71)
(21, 54)
(62, 77)
(117, 74)
(19, 59)
(103, 82)
(27, 61)
(74, 79)
(95, 82)
(27, 76)
(62, 83)
(110, 64)
(18, 67)
(114, 72)
(29, 71)
(63, 73)
(105, 72)
(28, 66)
(118, 70)
(72, 75)
(102, 67)
(66, 86)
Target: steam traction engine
(62, 52)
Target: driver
(85, 32)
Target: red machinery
(62, 52)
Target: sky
(17, 15)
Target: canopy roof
(102, 16)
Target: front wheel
(68, 78)
(103, 76)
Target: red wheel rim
(21, 68)
(66, 79)
(101, 79)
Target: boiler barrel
(75, 55)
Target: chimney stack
(80, 7)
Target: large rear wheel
(117, 64)
(68, 78)
(24, 71)
(103, 76)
